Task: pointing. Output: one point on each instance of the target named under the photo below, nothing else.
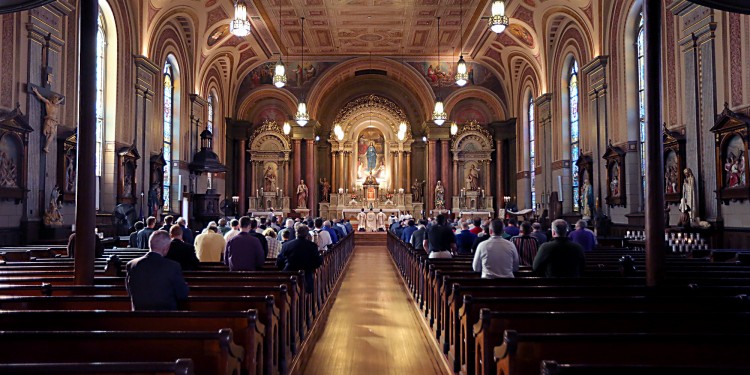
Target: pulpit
(205, 208)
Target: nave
(374, 327)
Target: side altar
(269, 152)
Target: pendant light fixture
(279, 76)
(439, 116)
(462, 75)
(240, 25)
(498, 21)
(302, 116)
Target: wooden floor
(373, 326)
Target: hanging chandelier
(240, 25)
(498, 21)
(302, 116)
(462, 75)
(439, 116)
(279, 76)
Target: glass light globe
(302, 116)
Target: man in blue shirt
(331, 231)
(408, 231)
(512, 229)
(465, 239)
(583, 236)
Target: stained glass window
(101, 46)
(532, 154)
(168, 116)
(642, 102)
(574, 127)
(210, 120)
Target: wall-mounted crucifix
(52, 100)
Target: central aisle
(373, 326)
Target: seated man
(321, 236)
(180, 252)
(417, 237)
(525, 244)
(145, 233)
(439, 239)
(133, 242)
(560, 257)
(496, 257)
(154, 282)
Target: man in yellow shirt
(209, 246)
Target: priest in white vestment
(372, 221)
(382, 217)
(361, 221)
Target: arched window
(641, 101)
(101, 49)
(210, 119)
(532, 155)
(168, 118)
(574, 149)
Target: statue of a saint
(302, 194)
(472, 179)
(372, 157)
(70, 172)
(269, 178)
(439, 195)
(154, 200)
(8, 171)
(416, 191)
(587, 199)
(325, 188)
(51, 119)
(689, 195)
(53, 217)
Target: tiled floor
(373, 326)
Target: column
(241, 177)
(499, 177)
(407, 188)
(654, 145)
(334, 169)
(287, 180)
(432, 167)
(344, 169)
(297, 154)
(86, 182)
(445, 173)
(253, 180)
(310, 180)
(401, 173)
(486, 178)
(456, 188)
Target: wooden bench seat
(462, 340)
(522, 353)
(488, 332)
(275, 347)
(554, 368)
(248, 332)
(211, 352)
(182, 366)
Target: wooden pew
(522, 353)
(488, 332)
(211, 352)
(182, 366)
(275, 347)
(463, 349)
(554, 368)
(248, 332)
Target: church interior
(629, 115)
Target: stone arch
(494, 108)
(253, 102)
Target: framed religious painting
(674, 163)
(614, 159)
(14, 144)
(731, 139)
(127, 162)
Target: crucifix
(52, 100)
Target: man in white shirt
(235, 224)
(496, 257)
(321, 236)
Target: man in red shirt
(477, 228)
